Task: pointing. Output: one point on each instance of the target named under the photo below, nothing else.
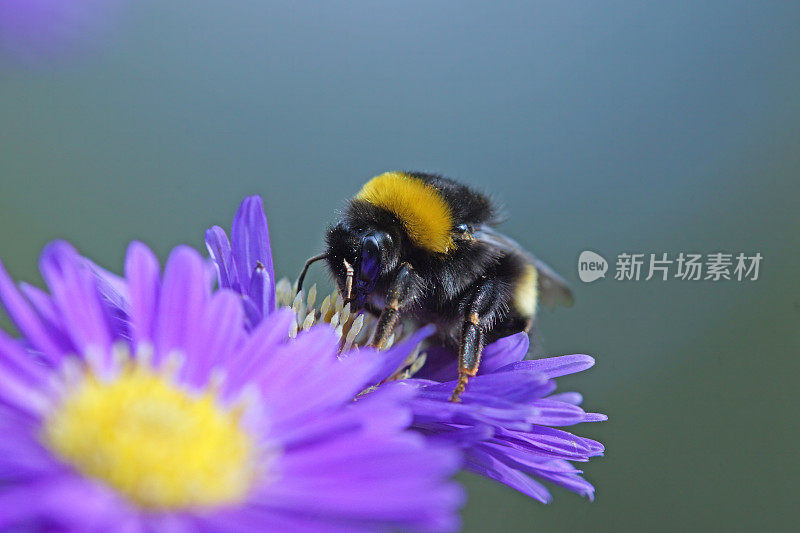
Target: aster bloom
(507, 424)
(144, 404)
(509, 418)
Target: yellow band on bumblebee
(526, 292)
(423, 212)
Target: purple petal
(520, 387)
(242, 364)
(486, 464)
(392, 358)
(219, 248)
(114, 292)
(575, 398)
(111, 285)
(442, 363)
(595, 417)
(436, 408)
(305, 375)
(250, 244)
(504, 351)
(337, 421)
(361, 493)
(42, 304)
(555, 413)
(41, 337)
(462, 436)
(18, 395)
(49, 315)
(252, 519)
(259, 292)
(382, 402)
(143, 274)
(252, 313)
(20, 362)
(335, 457)
(22, 457)
(572, 482)
(554, 367)
(181, 302)
(557, 471)
(220, 333)
(75, 294)
(555, 443)
(64, 502)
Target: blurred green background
(610, 126)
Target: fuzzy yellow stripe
(423, 212)
(526, 293)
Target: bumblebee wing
(553, 289)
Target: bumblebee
(423, 247)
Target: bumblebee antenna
(305, 269)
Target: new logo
(591, 266)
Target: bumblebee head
(394, 214)
(368, 249)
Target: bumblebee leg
(469, 354)
(348, 284)
(402, 291)
(486, 302)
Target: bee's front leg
(403, 290)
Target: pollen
(152, 441)
(423, 212)
(354, 329)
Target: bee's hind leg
(486, 302)
(469, 353)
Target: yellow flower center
(153, 442)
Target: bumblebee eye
(370, 259)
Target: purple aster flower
(144, 404)
(35, 30)
(507, 423)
